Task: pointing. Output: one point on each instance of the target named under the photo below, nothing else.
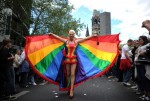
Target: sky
(126, 15)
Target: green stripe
(99, 63)
(46, 61)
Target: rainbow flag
(95, 57)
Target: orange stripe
(103, 46)
(35, 46)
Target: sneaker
(147, 98)
(138, 93)
(134, 87)
(29, 83)
(143, 96)
(34, 84)
(126, 84)
(9, 98)
(13, 98)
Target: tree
(52, 16)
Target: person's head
(18, 52)
(143, 40)
(71, 34)
(7, 43)
(146, 24)
(136, 43)
(130, 42)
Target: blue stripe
(53, 69)
(87, 65)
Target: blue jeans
(127, 75)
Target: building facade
(5, 21)
(101, 23)
(14, 20)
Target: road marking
(21, 93)
(56, 96)
(85, 94)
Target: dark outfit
(133, 68)
(7, 76)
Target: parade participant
(68, 62)
(71, 61)
(125, 64)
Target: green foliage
(55, 17)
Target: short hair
(144, 38)
(6, 41)
(130, 40)
(72, 31)
(144, 22)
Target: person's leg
(120, 75)
(73, 69)
(8, 83)
(24, 77)
(12, 73)
(2, 80)
(16, 75)
(31, 79)
(68, 74)
(127, 75)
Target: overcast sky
(126, 15)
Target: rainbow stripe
(44, 53)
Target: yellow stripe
(37, 56)
(100, 54)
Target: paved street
(98, 89)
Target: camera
(148, 50)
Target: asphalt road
(97, 89)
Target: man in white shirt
(125, 63)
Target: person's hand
(94, 34)
(142, 52)
(130, 60)
(50, 33)
(11, 58)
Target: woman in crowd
(141, 78)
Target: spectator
(16, 65)
(31, 78)
(24, 71)
(143, 81)
(125, 63)
(7, 76)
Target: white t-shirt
(22, 57)
(16, 61)
(124, 48)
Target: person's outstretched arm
(56, 36)
(81, 40)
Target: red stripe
(106, 38)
